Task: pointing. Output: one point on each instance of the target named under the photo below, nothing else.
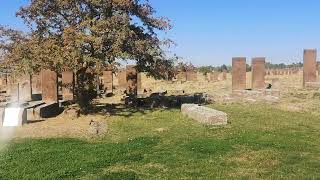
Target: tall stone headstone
(36, 84)
(191, 75)
(25, 93)
(140, 83)
(122, 79)
(131, 79)
(258, 73)
(309, 66)
(68, 85)
(239, 70)
(107, 81)
(49, 86)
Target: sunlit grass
(259, 142)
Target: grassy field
(259, 142)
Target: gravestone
(25, 93)
(239, 70)
(49, 86)
(191, 76)
(309, 66)
(68, 85)
(204, 115)
(107, 81)
(122, 79)
(139, 83)
(258, 73)
(131, 79)
(36, 84)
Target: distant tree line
(208, 69)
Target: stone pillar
(139, 83)
(131, 79)
(309, 66)
(49, 86)
(258, 73)
(122, 79)
(239, 71)
(107, 81)
(36, 84)
(25, 93)
(191, 75)
(68, 85)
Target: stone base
(204, 115)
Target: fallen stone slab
(204, 115)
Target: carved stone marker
(258, 73)
(191, 75)
(309, 66)
(122, 79)
(49, 86)
(131, 79)
(68, 85)
(25, 88)
(107, 80)
(204, 114)
(239, 73)
(36, 84)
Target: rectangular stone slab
(309, 66)
(204, 115)
(68, 85)
(49, 86)
(239, 70)
(132, 77)
(258, 73)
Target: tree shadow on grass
(155, 102)
(70, 158)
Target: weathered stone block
(258, 73)
(239, 68)
(68, 85)
(49, 86)
(107, 81)
(131, 79)
(309, 66)
(204, 115)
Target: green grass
(260, 142)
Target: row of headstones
(259, 72)
(25, 87)
(239, 73)
(193, 76)
(277, 72)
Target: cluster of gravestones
(214, 76)
(239, 73)
(187, 76)
(217, 76)
(281, 72)
(43, 95)
(259, 72)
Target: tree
(85, 36)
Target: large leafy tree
(95, 33)
(85, 36)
